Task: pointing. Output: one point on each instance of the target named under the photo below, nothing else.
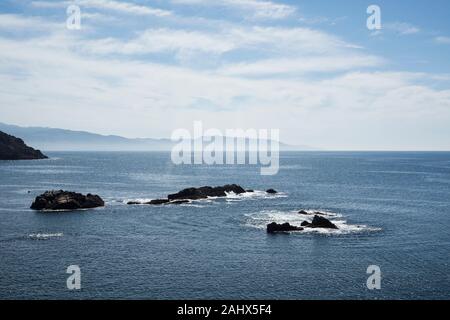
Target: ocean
(392, 210)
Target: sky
(311, 69)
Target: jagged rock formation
(285, 227)
(319, 222)
(65, 200)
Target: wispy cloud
(257, 8)
(161, 40)
(281, 51)
(442, 40)
(17, 22)
(119, 6)
(269, 40)
(401, 28)
(98, 17)
(309, 64)
(321, 20)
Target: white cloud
(296, 50)
(309, 64)
(50, 4)
(258, 8)
(119, 6)
(264, 9)
(282, 42)
(442, 40)
(161, 40)
(16, 22)
(401, 28)
(322, 20)
(98, 17)
(291, 41)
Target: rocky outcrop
(179, 201)
(205, 192)
(12, 148)
(134, 202)
(319, 222)
(65, 200)
(158, 201)
(318, 213)
(285, 227)
(272, 191)
(189, 194)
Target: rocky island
(186, 195)
(66, 200)
(12, 148)
(205, 192)
(285, 227)
(317, 222)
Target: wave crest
(45, 236)
(261, 219)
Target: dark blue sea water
(393, 210)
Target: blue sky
(309, 68)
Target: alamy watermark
(374, 20)
(374, 280)
(73, 21)
(74, 280)
(236, 146)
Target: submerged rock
(65, 200)
(205, 192)
(318, 213)
(158, 201)
(133, 202)
(179, 201)
(272, 191)
(285, 227)
(319, 222)
(12, 148)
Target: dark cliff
(12, 148)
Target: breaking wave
(261, 219)
(230, 197)
(45, 236)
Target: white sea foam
(257, 194)
(261, 219)
(44, 236)
(193, 205)
(139, 200)
(69, 210)
(312, 213)
(12, 210)
(230, 197)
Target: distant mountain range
(52, 139)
